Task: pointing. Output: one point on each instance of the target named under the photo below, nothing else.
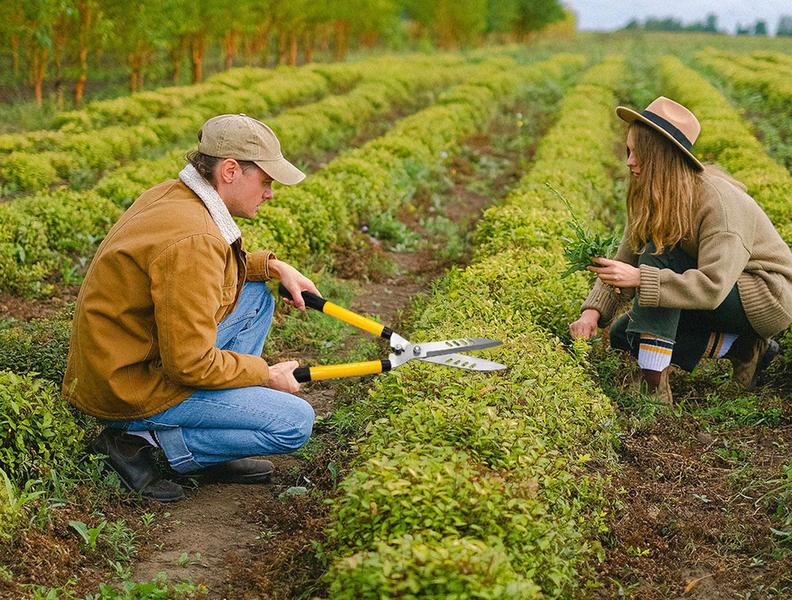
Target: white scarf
(214, 203)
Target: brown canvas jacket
(146, 316)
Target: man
(171, 320)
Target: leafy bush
(38, 433)
(412, 567)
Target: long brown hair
(661, 199)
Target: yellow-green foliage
(453, 568)
(37, 429)
(726, 139)
(576, 157)
(305, 225)
(748, 72)
(108, 131)
(499, 459)
(43, 233)
(386, 171)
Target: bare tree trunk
(282, 47)
(342, 40)
(261, 43)
(15, 53)
(309, 40)
(176, 57)
(86, 16)
(38, 70)
(293, 48)
(230, 47)
(133, 72)
(197, 53)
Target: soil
(694, 518)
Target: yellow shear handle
(354, 319)
(372, 367)
(341, 313)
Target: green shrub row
(43, 159)
(304, 130)
(77, 158)
(49, 236)
(726, 140)
(384, 172)
(773, 82)
(498, 464)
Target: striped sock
(719, 344)
(654, 353)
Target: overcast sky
(613, 14)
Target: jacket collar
(214, 203)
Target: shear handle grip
(302, 374)
(311, 300)
(339, 312)
(372, 367)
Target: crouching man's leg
(214, 432)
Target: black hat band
(669, 128)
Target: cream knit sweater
(733, 241)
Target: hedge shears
(444, 352)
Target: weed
(90, 535)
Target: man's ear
(228, 167)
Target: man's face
(247, 191)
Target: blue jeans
(215, 426)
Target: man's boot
(750, 355)
(130, 456)
(657, 384)
(242, 470)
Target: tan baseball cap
(244, 138)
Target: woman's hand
(616, 273)
(294, 281)
(281, 377)
(586, 326)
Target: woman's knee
(618, 334)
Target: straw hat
(670, 119)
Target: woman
(709, 273)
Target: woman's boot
(749, 356)
(657, 384)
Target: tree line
(709, 24)
(44, 40)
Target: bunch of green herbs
(584, 244)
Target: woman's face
(632, 161)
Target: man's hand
(281, 377)
(294, 281)
(616, 273)
(586, 326)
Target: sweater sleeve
(722, 256)
(603, 298)
(187, 288)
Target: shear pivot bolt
(416, 350)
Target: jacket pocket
(228, 294)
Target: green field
(556, 478)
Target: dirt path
(693, 514)
(220, 529)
